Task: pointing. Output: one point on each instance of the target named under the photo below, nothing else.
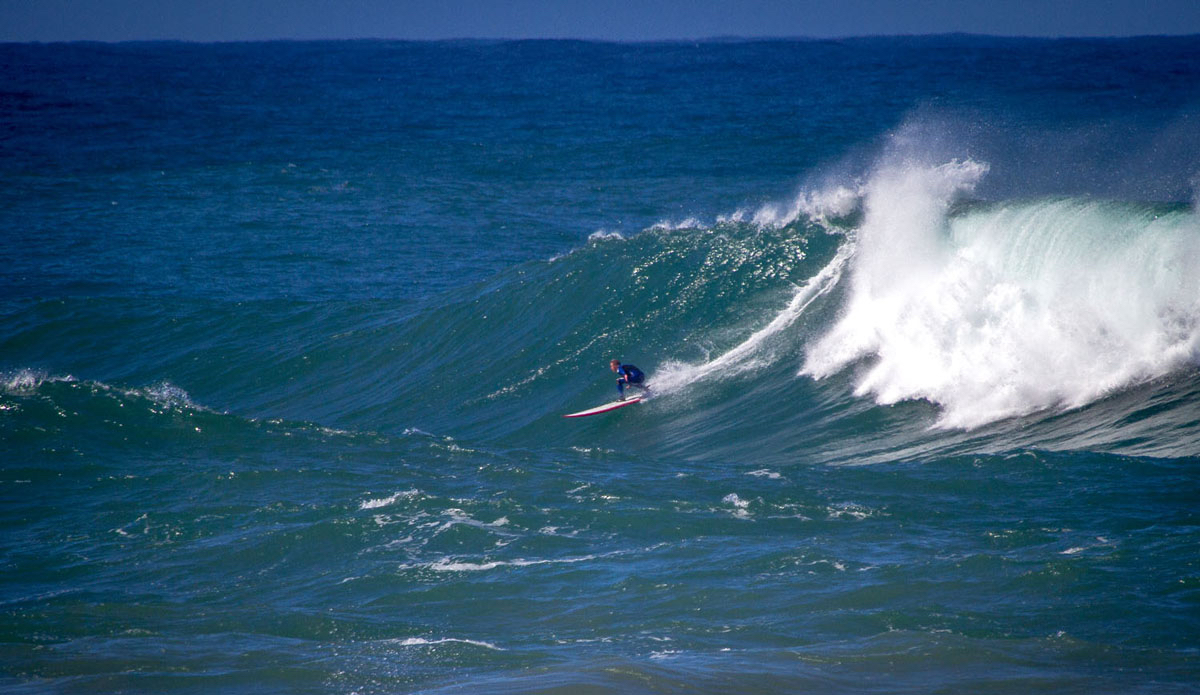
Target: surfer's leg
(621, 388)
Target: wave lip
(816, 205)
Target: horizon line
(720, 38)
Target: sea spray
(1012, 308)
(817, 205)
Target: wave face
(287, 331)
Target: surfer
(629, 374)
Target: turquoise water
(287, 331)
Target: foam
(423, 642)
(164, 393)
(450, 565)
(765, 473)
(849, 510)
(1010, 309)
(25, 381)
(387, 501)
(740, 506)
(605, 235)
(669, 226)
(168, 395)
(458, 517)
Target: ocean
(287, 331)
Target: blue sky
(621, 20)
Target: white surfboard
(607, 407)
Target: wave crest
(1009, 309)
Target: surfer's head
(614, 365)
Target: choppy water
(287, 331)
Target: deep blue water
(287, 329)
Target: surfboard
(607, 407)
